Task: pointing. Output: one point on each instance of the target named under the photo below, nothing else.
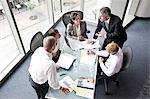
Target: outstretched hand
(65, 90)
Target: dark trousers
(41, 89)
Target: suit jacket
(115, 31)
(71, 30)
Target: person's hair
(114, 48)
(49, 42)
(105, 11)
(73, 17)
(52, 32)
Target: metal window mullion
(50, 10)
(61, 6)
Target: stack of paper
(83, 92)
(85, 83)
(65, 60)
(87, 59)
(66, 82)
(76, 44)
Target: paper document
(89, 94)
(76, 44)
(65, 60)
(93, 44)
(66, 82)
(86, 83)
(83, 92)
(87, 59)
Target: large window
(92, 7)
(31, 17)
(70, 5)
(10, 52)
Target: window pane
(70, 5)
(90, 9)
(31, 17)
(56, 9)
(8, 47)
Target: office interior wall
(118, 7)
(143, 9)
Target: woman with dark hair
(56, 52)
(76, 29)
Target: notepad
(65, 60)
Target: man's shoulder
(115, 17)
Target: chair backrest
(66, 16)
(36, 41)
(66, 20)
(127, 57)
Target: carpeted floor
(134, 82)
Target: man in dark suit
(112, 24)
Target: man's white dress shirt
(42, 68)
(113, 64)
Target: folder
(65, 60)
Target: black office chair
(36, 41)
(127, 58)
(66, 16)
(66, 20)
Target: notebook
(65, 60)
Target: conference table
(84, 66)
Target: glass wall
(31, 17)
(57, 9)
(70, 5)
(10, 52)
(90, 10)
(92, 7)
